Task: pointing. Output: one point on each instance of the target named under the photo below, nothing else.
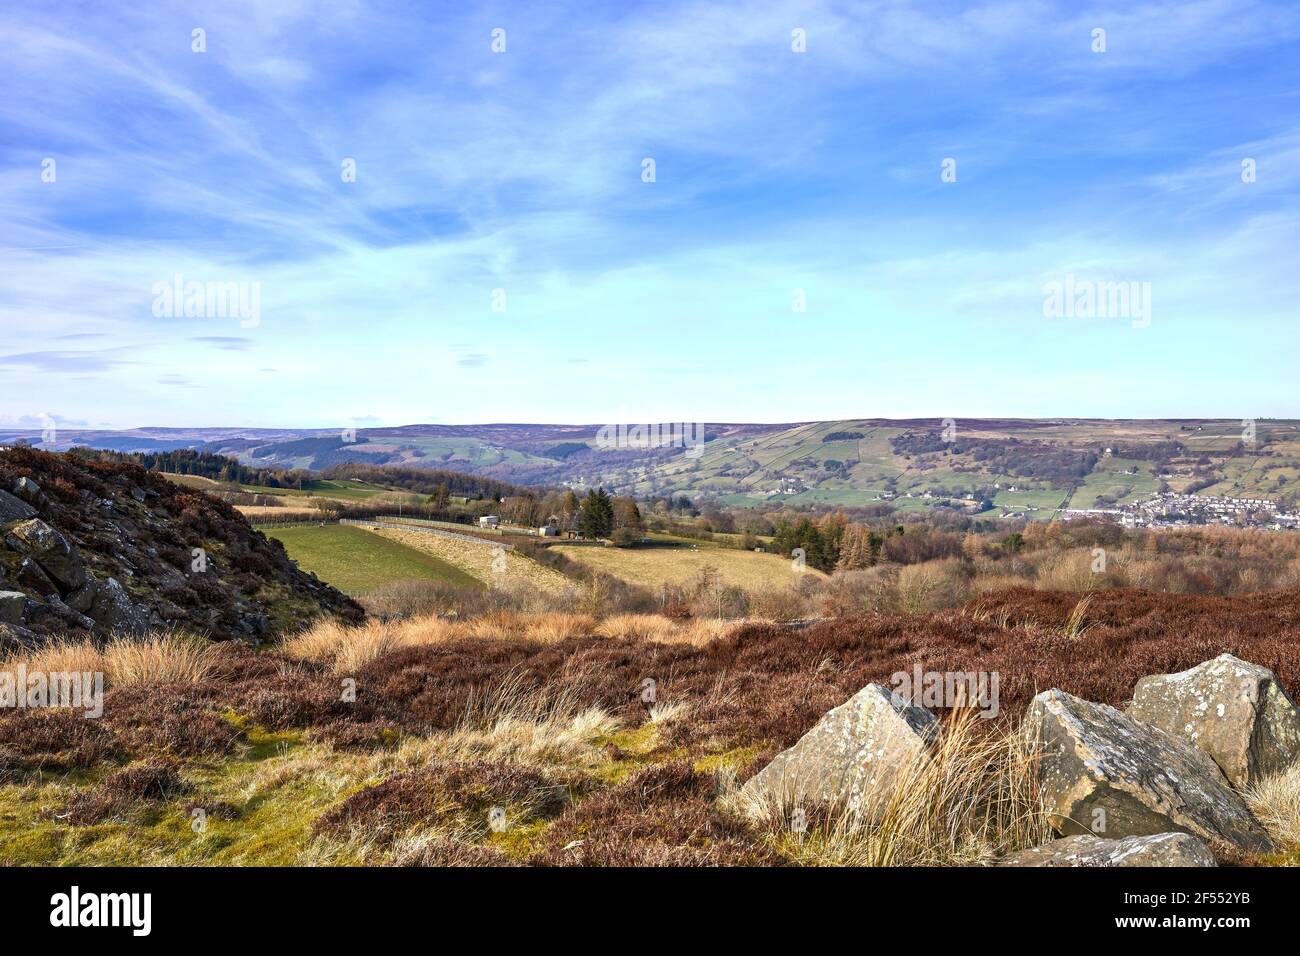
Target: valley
(999, 468)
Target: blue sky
(521, 171)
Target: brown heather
(124, 790)
(449, 720)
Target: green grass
(275, 821)
(1109, 478)
(356, 560)
(1044, 499)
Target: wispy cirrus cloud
(229, 343)
(68, 360)
(521, 172)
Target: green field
(356, 560)
(1111, 478)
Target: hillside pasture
(678, 563)
(356, 560)
(476, 560)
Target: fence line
(290, 522)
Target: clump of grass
(556, 626)
(1275, 802)
(649, 627)
(168, 658)
(365, 644)
(1074, 625)
(514, 720)
(61, 655)
(971, 797)
(346, 649)
(666, 712)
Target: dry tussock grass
(649, 627)
(972, 797)
(61, 655)
(1068, 571)
(169, 658)
(546, 628)
(1076, 624)
(1275, 801)
(346, 648)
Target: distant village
(1172, 510)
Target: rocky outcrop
(1236, 712)
(51, 550)
(13, 509)
(109, 547)
(1106, 773)
(30, 492)
(852, 753)
(113, 608)
(1161, 849)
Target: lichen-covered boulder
(1161, 849)
(13, 509)
(1105, 773)
(852, 752)
(51, 550)
(30, 492)
(1235, 711)
(113, 609)
(82, 599)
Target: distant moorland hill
(995, 466)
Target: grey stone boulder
(30, 492)
(114, 610)
(1161, 849)
(1105, 773)
(51, 550)
(1235, 711)
(848, 758)
(83, 599)
(34, 579)
(14, 638)
(55, 605)
(12, 606)
(13, 509)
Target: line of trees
(427, 481)
(831, 542)
(204, 464)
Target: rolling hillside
(1012, 466)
